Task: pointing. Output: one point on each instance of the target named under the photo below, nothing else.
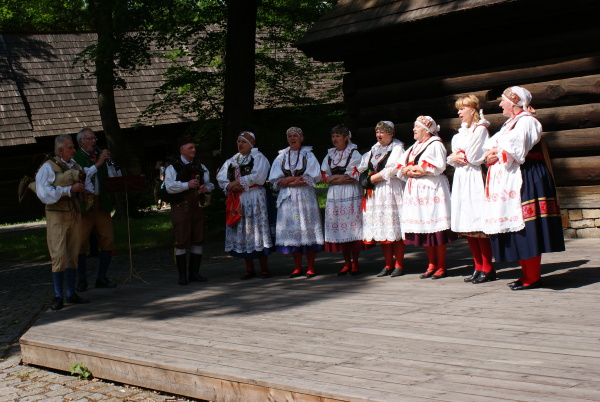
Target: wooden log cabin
(411, 57)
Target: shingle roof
(42, 94)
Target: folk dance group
(394, 197)
(389, 196)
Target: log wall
(566, 94)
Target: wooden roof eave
(346, 21)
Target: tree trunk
(238, 102)
(125, 156)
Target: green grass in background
(152, 230)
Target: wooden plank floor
(341, 338)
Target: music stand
(127, 184)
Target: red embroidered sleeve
(426, 165)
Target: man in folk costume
(188, 182)
(95, 216)
(522, 215)
(57, 183)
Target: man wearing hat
(187, 181)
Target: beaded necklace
(335, 163)
(293, 167)
(243, 161)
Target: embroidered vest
(245, 170)
(65, 176)
(340, 169)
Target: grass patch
(150, 231)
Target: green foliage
(80, 371)
(43, 15)
(284, 76)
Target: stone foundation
(581, 223)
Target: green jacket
(83, 159)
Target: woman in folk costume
(382, 205)
(426, 208)
(522, 215)
(343, 211)
(468, 189)
(242, 177)
(294, 172)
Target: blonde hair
(469, 101)
(386, 126)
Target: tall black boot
(195, 260)
(103, 263)
(182, 269)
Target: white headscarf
(428, 124)
(518, 96)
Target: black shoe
(474, 276)
(81, 285)
(248, 275)
(355, 273)
(265, 274)
(514, 284)
(197, 278)
(485, 277)
(311, 275)
(57, 304)
(104, 283)
(384, 272)
(428, 274)
(76, 299)
(397, 272)
(534, 285)
(295, 274)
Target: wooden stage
(336, 338)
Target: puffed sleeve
(391, 167)
(222, 179)
(171, 185)
(276, 174)
(364, 162)
(312, 174)
(518, 142)
(353, 168)
(209, 186)
(474, 149)
(454, 146)
(433, 159)
(259, 173)
(325, 170)
(402, 162)
(46, 192)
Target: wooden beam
(578, 140)
(443, 85)
(583, 171)
(568, 91)
(579, 197)
(553, 119)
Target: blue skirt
(543, 231)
